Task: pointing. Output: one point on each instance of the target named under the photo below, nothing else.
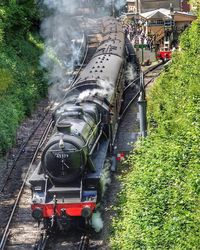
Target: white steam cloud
(97, 222)
(131, 72)
(63, 33)
(105, 179)
(64, 36)
(118, 3)
(62, 6)
(105, 88)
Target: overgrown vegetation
(21, 80)
(195, 4)
(159, 206)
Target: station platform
(147, 55)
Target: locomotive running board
(98, 158)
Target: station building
(141, 6)
(164, 23)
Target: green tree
(21, 79)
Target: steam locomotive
(66, 184)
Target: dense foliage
(21, 79)
(159, 204)
(195, 5)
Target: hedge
(158, 207)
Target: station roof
(163, 14)
(157, 14)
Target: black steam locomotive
(66, 184)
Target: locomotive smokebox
(64, 158)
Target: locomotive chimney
(61, 142)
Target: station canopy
(165, 14)
(157, 14)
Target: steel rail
(45, 135)
(137, 94)
(42, 242)
(150, 69)
(40, 144)
(5, 234)
(145, 73)
(21, 150)
(84, 244)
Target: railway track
(84, 244)
(21, 232)
(15, 195)
(74, 241)
(63, 242)
(133, 88)
(17, 229)
(128, 129)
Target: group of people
(137, 36)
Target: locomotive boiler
(66, 183)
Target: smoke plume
(105, 179)
(63, 35)
(63, 32)
(62, 6)
(117, 3)
(131, 72)
(105, 88)
(97, 222)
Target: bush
(21, 79)
(11, 114)
(159, 204)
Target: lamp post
(111, 7)
(172, 22)
(126, 8)
(142, 103)
(137, 6)
(112, 3)
(181, 5)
